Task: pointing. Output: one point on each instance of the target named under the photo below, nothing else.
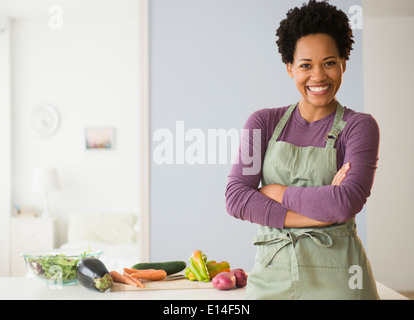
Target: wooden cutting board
(163, 285)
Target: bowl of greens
(57, 266)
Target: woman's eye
(330, 63)
(305, 66)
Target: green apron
(308, 263)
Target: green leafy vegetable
(57, 266)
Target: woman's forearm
(274, 191)
(296, 220)
(293, 219)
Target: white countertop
(28, 288)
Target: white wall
(388, 70)
(89, 71)
(5, 145)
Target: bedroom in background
(82, 59)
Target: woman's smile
(319, 90)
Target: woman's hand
(274, 192)
(341, 174)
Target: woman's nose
(318, 74)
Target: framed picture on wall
(99, 138)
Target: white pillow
(114, 256)
(111, 228)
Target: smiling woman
(318, 165)
(317, 79)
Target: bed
(116, 234)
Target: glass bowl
(57, 267)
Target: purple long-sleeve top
(358, 144)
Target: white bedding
(115, 234)
(114, 256)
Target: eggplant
(93, 275)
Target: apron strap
(337, 127)
(333, 135)
(282, 122)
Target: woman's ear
(289, 68)
(343, 66)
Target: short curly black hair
(314, 17)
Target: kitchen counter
(27, 288)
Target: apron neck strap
(336, 129)
(282, 122)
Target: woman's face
(317, 70)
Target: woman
(307, 246)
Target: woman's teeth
(318, 89)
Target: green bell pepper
(197, 268)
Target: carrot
(131, 271)
(123, 279)
(148, 274)
(138, 283)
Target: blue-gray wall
(213, 63)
